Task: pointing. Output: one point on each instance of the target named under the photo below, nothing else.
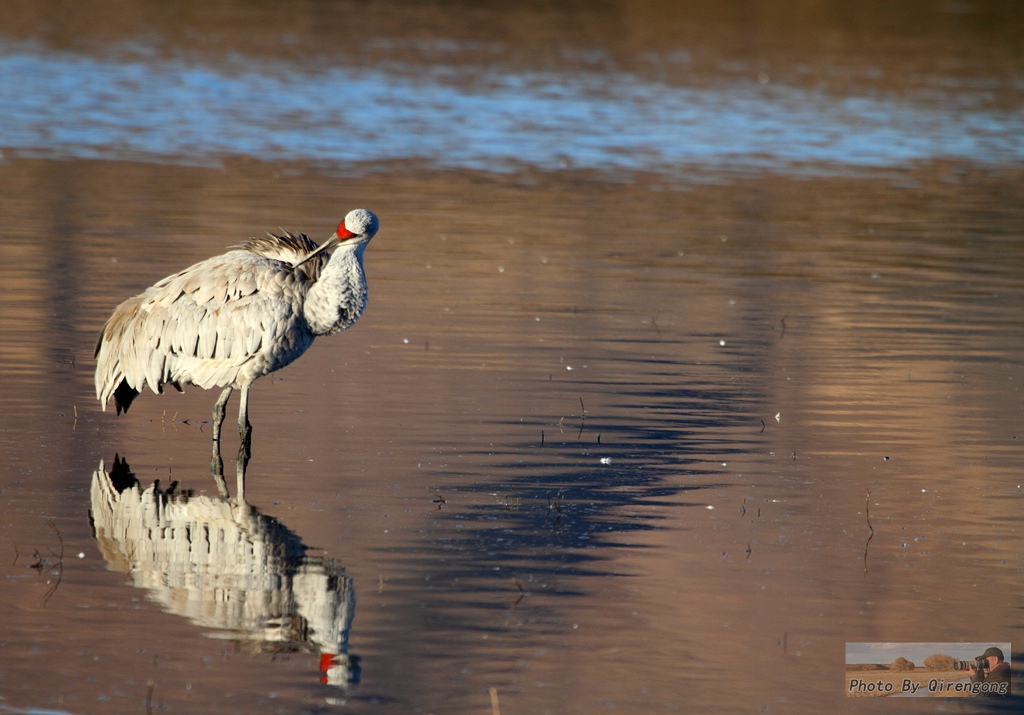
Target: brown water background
(606, 439)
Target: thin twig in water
(555, 507)
(523, 593)
(870, 529)
(867, 512)
(654, 322)
(149, 698)
(495, 710)
(59, 565)
(583, 418)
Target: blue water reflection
(74, 105)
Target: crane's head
(360, 225)
(356, 230)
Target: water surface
(605, 440)
(810, 87)
(173, 110)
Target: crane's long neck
(338, 298)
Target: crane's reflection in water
(226, 567)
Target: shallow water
(606, 439)
(621, 89)
(172, 109)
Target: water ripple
(74, 105)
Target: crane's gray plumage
(233, 318)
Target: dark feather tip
(124, 395)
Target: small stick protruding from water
(60, 563)
(871, 530)
(583, 418)
(523, 593)
(654, 322)
(495, 709)
(867, 512)
(149, 697)
(555, 507)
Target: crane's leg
(218, 412)
(244, 428)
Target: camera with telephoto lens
(977, 664)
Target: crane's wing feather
(223, 321)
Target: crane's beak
(325, 246)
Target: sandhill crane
(233, 318)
